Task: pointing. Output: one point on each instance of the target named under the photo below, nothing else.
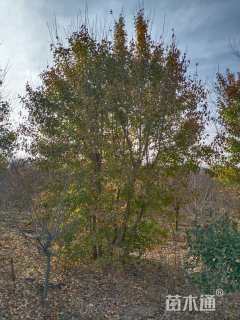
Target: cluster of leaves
(115, 116)
(214, 255)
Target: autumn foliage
(116, 116)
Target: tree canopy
(116, 115)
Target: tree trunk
(13, 275)
(177, 218)
(47, 275)
(97, 160)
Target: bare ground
(131, 292)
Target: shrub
(214, 255)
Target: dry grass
(128, 292)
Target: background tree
(115, 116)
(7, 136)
(228, 103)
(46, 229)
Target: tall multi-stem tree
(228, 103)
(115, 115)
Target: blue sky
(204, 29)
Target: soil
(135, 291)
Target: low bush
(214, 255)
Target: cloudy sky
(204, 29)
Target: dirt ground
(131, 292)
